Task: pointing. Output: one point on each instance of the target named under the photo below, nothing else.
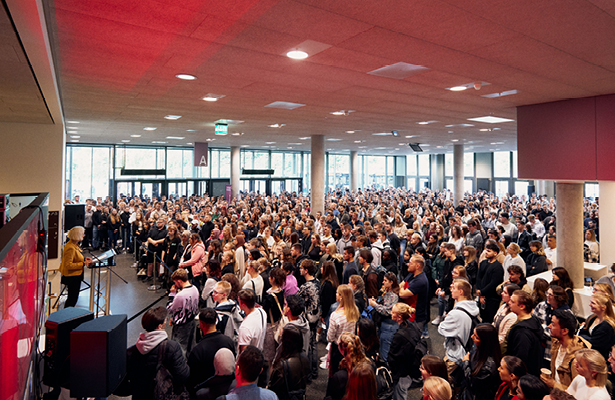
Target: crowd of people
(255, 283)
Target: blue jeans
(96, 237)
(401, 389)
(113, 238)
(442, 302)
(388, 327)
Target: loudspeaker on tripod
(98, 356)
(74, 215)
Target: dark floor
(134, 297)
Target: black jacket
(536, 264)
(401, 353)
(490, 275)
(298, 367)
(525, 340)
(602, 337)
(201, 358)
(484, 384)
(141, 370)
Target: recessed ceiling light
(296, 144)
(186, 77)
(229, 121)
(135, 135)
(213, 97)
(304, 138)
(150, 128)
(410, 136)
(190, 130)
(425, 145)
(439, 147)
(341, 112)
(457, 88)
(210, 139)
(426, 122)
(175, 137)
(397, 148)
(74, 141)
(350, 132)
(454, 140)
(382, 134)
(379, 148)
(284, 105)
(501, 94)
(189, 143)
(75, 137)
(276, 125)
(73, 122)
(244, 145)
(158, 142)
(297, 54)
(457, 125)
(237, 133)
(72, 132)
(269, 142)
(490, 119)
(362, 147)
(333, 140)
(485, 130)
(172, 117)
(125, 141)
(207, 98)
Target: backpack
(414, 351)
(380, 271)
(384, 378)
(475, 321)
(228, 323)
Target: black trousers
(73, 285)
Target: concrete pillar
(354, 171)
(235, 171)
(570, 231)
(317, 174)
(540, 187)
(437, 171)
(607, 217)
(458, 174)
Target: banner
(200, 154)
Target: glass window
(501, 188)
(501, 164)
(448, 164)
(592, 190)
(307, 184)
(188, 163)
(468, 164)
(81, 173)
(450, 184)
(468, 186)
(174, 163)
(424, 165)
(515, 165)
(411, 183)
(423, 183)
(411, 169)
(214, 163)
(521, 188)
(248, 159)
(261, 160)
(376, 171)
(225, 163)
(277, 163)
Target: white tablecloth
(595, 270)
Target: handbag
(277, 336)
(165, 389)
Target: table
(582, 297)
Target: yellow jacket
(72, 260)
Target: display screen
(21, 306)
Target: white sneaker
(323, 358)
(437, 320)
(328, 346)
(142, 272)
(323, 365)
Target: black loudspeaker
(98, 356)
(74, 215)
(57, 343)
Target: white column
(235, 171)
(570, 231)
(458, 173)
(539, 186)
(317, 176)
(607, 217)
(354, 171)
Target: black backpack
(475, 321)
(380, 271)
(384, 378)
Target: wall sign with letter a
(200, 154)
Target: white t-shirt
(252, 329)
(580, 391)
(255, 284)
(508, 261)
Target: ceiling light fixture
(125, 141)
(75, 141)
(490, 119)
(158, 142)
(213, 97)
(75, 137)
(175, 137)
(333, 140)
(276, 125)
(411, 136)
(269, 142)
(135, 135)
(304, 138)
(342, 112)
(457, 88)
(150, 128)
(71, 132)
(172, 117)
(185, 77)
(297, 54)
(73, 122)
(350, 132)
(190, 130)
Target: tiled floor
(133, 297)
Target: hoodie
(149, 340)
(303, 326)
(456, 329)
(525, 340)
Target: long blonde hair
(604, 300)
(333, 252)
(347, 302)
(437, 388)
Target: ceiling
(117, 61)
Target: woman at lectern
(72, 264)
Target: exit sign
(221, 129)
